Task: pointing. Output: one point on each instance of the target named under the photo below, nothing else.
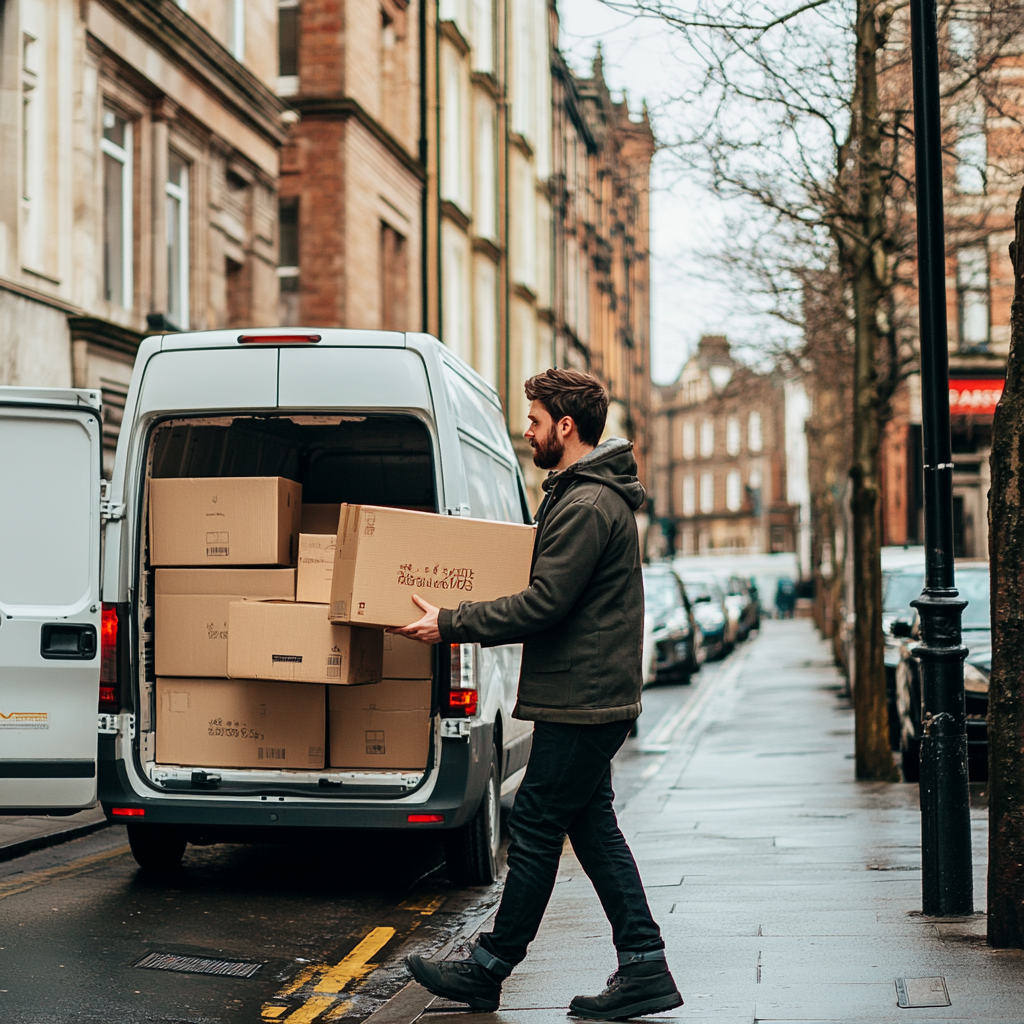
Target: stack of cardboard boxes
(260, 660)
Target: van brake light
(108, 659)
(278, 339)
(463, 695)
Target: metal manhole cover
(197, 965)
(914, 992)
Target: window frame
(180, 194)
(124, 156)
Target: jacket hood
(611, 463)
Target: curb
(14, 850)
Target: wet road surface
(329, 923)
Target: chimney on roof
(713, 350)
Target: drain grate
(919, 992)
(197, 965)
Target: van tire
(471, 852)
(157, 849)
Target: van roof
(327, 336)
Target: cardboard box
(407, 659)
(214, 521)
(297, 642)
(191, 629)
(316, 566)
(382, 726)
(320, 519)
(384, 555)
(240, 723)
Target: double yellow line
(23, 882)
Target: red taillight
(108, 659)
(128, 812)
(463, 701)
(462, 695)
(278, 339)
(420, 819)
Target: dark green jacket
(581, 618)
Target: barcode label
(333, 666)
(297, 658)
(217, 552)
(217, 544)
(375, 741)
(270, 754)
(341, 608)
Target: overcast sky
(642, 57)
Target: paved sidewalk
(20, 833)
(786, 890)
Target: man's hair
(571, 393)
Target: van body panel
(201, 380)
(329, 337)
(50, 465)
(352, 378)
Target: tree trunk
(868, 281)
(1006, 684)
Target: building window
(31, 158)
(689, 496)
(733, 491)
(707, 438)
(485, 205)
(394, 277)
(689, 440)
(483, 35)
(452, 152)
(755, 440)
(707, 492)
(453, 310)
(972, 289)
(116, 145)
(287, 47)
(178, 261)
(971, 149)
(732, 435)
(235, 35)
(485, 326)
(237, 292)
(288, 260)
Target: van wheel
(471, 852)
(157, 849)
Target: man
(580, 622)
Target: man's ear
(566, 427)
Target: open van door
(50, 452)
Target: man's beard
(548, 453)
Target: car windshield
(973, 587)
(900, 588)
(696, 589)
(661, 594)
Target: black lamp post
(947, 885)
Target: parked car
(972, 582)
(899, 588)
(711, 614)
(741, 597)
(354, 416)
(674, 638)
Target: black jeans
(567, 789)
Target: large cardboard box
(191, 630)
(319, 518)
(297, 642)
(407, 659)
(225, 520)
(316, 566)
(382, 726)
(384, 555)
(240, 723)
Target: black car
(899, 588)
(743, 594)
(711, 614)
(972, 581)
(671, 631)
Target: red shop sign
(974, 397)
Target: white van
(354, 416)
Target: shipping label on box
(296, 641)
(407, 659)
(316, 567)
(215, 521)
(190, 632)
(240, 723)
(384, 555)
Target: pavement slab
(786, 890)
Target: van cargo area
(378, 459)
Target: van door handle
(68, 640)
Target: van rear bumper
(456, 795)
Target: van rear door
(50, 451)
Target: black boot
(641, 985)
(476, 981)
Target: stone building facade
(140, 154)
(719, 457)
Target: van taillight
(463, 695)
(108, 659)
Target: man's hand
(425, 630)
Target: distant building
(139, 155)
(719, 457)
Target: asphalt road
(330, 924)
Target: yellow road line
(310, 1010)
(355, 965)
(22, 883)
(426, 904)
